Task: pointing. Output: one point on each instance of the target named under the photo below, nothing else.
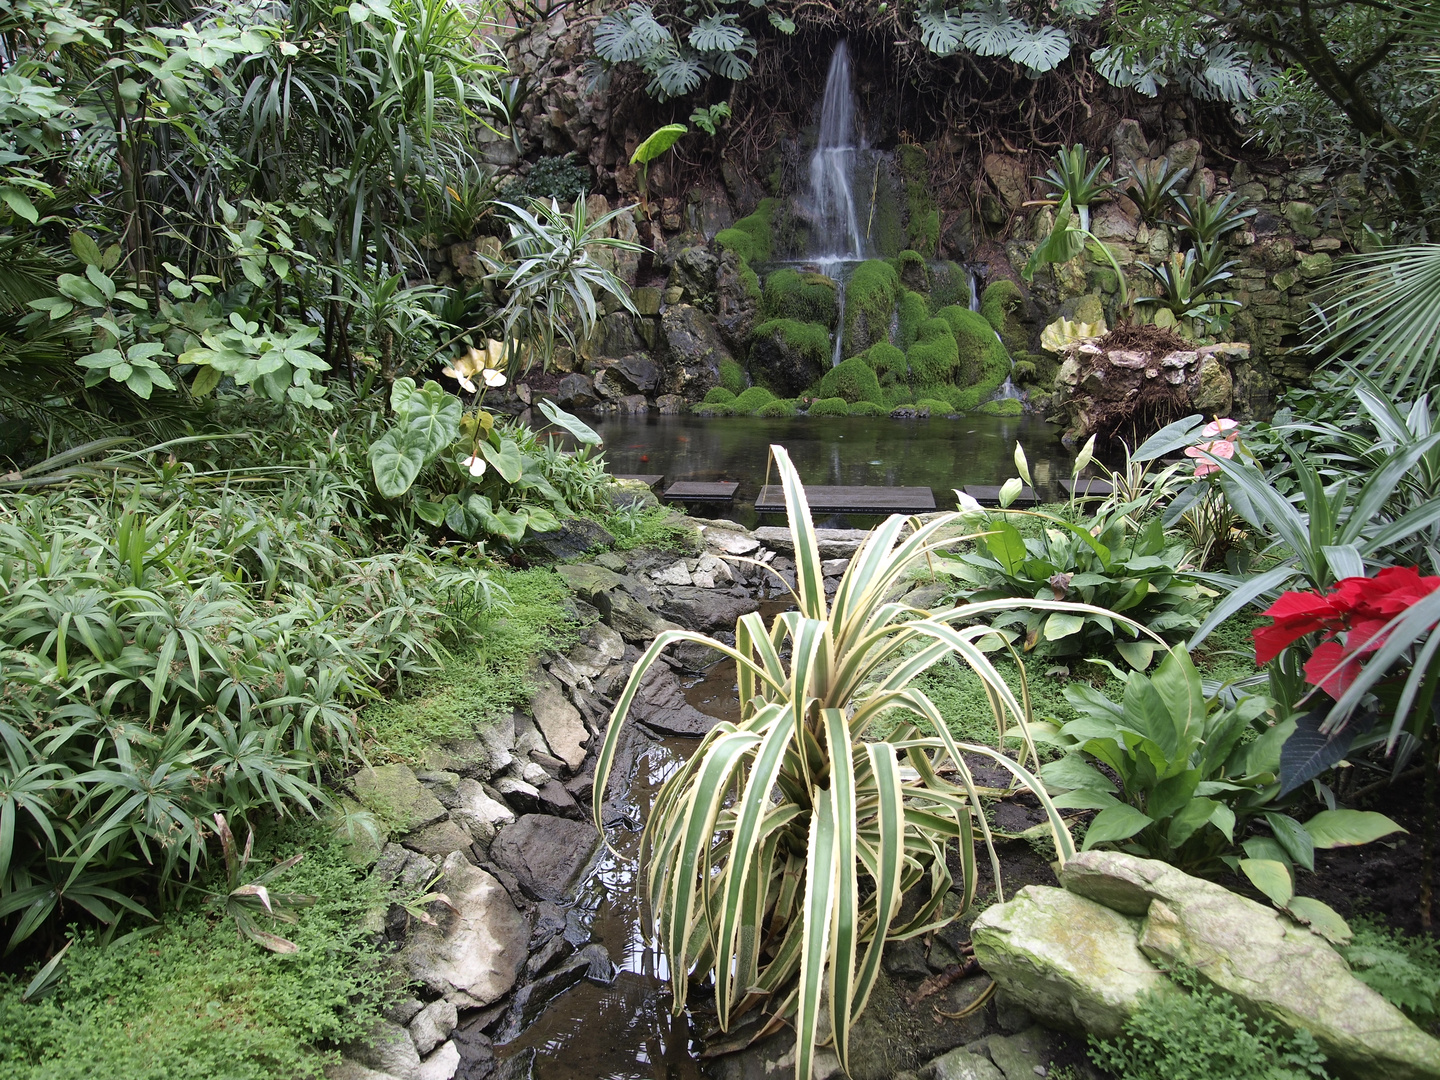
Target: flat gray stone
(704, 610)
(433, 1024)
(1018, 1056)
(560, 723)
(960, 1064)
(439, 839)
(547, 855)
(443, 1064)
(478, 813)
(661, 706)
(473, 956)
(833, 543)
(395, 794)
(388, 1049)
(347, 1069)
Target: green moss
(810, 340)
(885, 220)
(936, 406)
(868, 408)
(914, 310)
(750, 280)
(732, 376)
(913, 270)
(1023, 372)
(999, 303)
(983, 360)
(803, 297)
(752, 399)
(1003, 407)
(923, 228)
(750, 237)
(870, 299)
(949, 284)
(701, 408)
(934, 355)
(888, 363)
(779, 407)
(830, 406)
(894, 396)
(853, 379)
(720, 396)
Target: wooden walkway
(1088, 485)
(990, 493)
(719, 491)
(851, 500)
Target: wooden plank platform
(699, 491)
(650, 480)
(864, 499)
(990, 493)
(1088, 485)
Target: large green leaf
(583, 432)
(1271, 877)
(395, 462)
(657, 143)
(506, 459)
(1062, 624)
(429, 415)
(1348, 828)
(1117, 823)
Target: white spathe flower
(493, 377)
(475, 464)
(968, 504)
(460, 375)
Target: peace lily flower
(475, 464)
(493, 377)
(457, 372)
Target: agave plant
(1186, 290)
(776, 859)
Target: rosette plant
(776, 859)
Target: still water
(940, 454)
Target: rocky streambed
(535, 965)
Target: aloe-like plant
(777, 857)
(1066, 240)
(1151, 185)
(1187, 290)
(1073, 177)
(1206, 220)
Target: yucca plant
(776, 859)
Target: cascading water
(1007, 388)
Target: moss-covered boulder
(719, 396)
(889, 363)
(853, 379)
(914, 310)
(949, 284)
(787, 356)
(913, 271)
(732, 377)
(752, 400)
(934, 355)
(1002, 304)
(831, 406)
(1002, 407)
(809, 298)
(984, 362)
(923, 222)
(935, 406)
(868, 408)
(751, 236)
(780, 407)
(870, 298)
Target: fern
(1041, 50)
(992, 31)
(717, 33)
(1403, 970)
(940, 31)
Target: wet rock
(473, 955)
(554, 799)
(574, 538)
(674, 574)
(642, 373)
(729, 541)
(694, 352)
(1009, 177)
(477, 1054)
(705, 610)
(669, 404)
(736, 305)
(560, 723)
(438, 839)
(784, 367)
(961, 1064)
(403, 1011)
(906, 959)
(547, 855)
(395, 793)
(661, 706)
(582, 787)
(711, 573)
(521, 1066)
(553, 952)
(520, 796)
(433, 1025)
(577, 393)
(833, 543)
(631, 619)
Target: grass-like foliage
(1202, 1035)
(183, 646)
(196, 999)
(776, 859)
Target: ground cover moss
(914, 310)
(751, 400)
(194, 999)
(780, 407)
(751, 237)
(701, 408)
(831, 406)
(806, 298)
(719, 395)
(474, 688)
(853, 379)
(868, 408)
(870, 298)
(1003, 407)
(888, 362)
(923, 226)
(732, 376)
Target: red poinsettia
(1360, 607)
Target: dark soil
(1157, 340)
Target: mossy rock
(913, 271)
(1003, 407)
(1022, 372)
(894, 396)
(703, 408)
(719, 396)
(1001, 304)
(949, 284)
(786, 356)
(830, 406)
(808, 298)
(853, 379)
(935, 354)
(935, 406)
(889, 363)
(750, 237)
(868, 408)
(751, 400)
(779, 407)
(914, 310)
(983, 359)
(923, 227)
(870, 299)
(732, 376)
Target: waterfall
(836, 223)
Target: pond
(941, 454)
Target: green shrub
(720, 395)
(563, 178)
(853, 379)
(779, 407)
(888, 362)
(870, 298)
(937, 406)
(914, 310)
(1003, 407)
(1404, 970)
(808, 298)
(949, 284)
(1200, 1034)
(810, 340)
(732, 376)
(868, 408)
(934, 355)
(195, 999)
(751, 400)
(831, 406)
(750, 237)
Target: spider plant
(1152, 185)
(776, 859)
(1207, 221)
(1073, 177)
